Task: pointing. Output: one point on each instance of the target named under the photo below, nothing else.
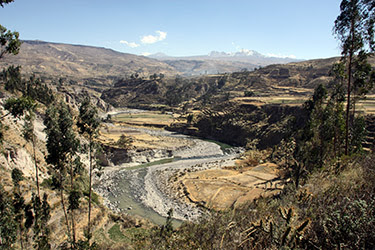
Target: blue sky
(298, 28)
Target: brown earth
(222, 188)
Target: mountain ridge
(99, 65)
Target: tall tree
(88, 123)
(351, 29)
(62, 146)
(9, 43)
(28, 134)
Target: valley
(150, 183)
(224, 151)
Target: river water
(138, 190)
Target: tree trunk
(351, 52)
(90, 179)
(64, 209)
(36, 167)
(72, 210)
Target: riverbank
(144, 191)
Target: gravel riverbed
(146, 189)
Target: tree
(88, 123)
(2, 2)
(351, 29)
(18, 204)
(12, 78)
(28, 134)
(18, 106)
(8, 226)
(62, 146)
(9, 42)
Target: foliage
(334, 210)
(62, 147)
(124, 142)
(162, 237)
(12, 78)
(9, 41)
(42, 231)
(61, 140)
(249, 93)
(115, 233)
(280, 233)
(88, 123)
(8, 226)
(33, 87)
(17, 176)
(2, 2)
(74, 196)
(352, 27)
(18, 106)
(238, 124)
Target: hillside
(95, 65)
(298, 78)
(82, 63)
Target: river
(143, 190)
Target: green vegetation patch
(116, 234)
(222, 145)
(148, 164)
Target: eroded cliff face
(115, 156)
(241, 124)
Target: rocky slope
(294, 78)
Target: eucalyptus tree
(88, 124)
(353, 28)
(62, 146)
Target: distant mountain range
(220, 62)
(250, 56)
(100, 65)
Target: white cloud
(145, 53)
(130, 44)
(281, 56)
(153, 39)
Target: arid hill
(82, 63)
(294, 78)
(95, 65)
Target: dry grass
(146, 118)
(111, 134)
(222, 188)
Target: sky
(295, 28)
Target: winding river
(143, 190)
